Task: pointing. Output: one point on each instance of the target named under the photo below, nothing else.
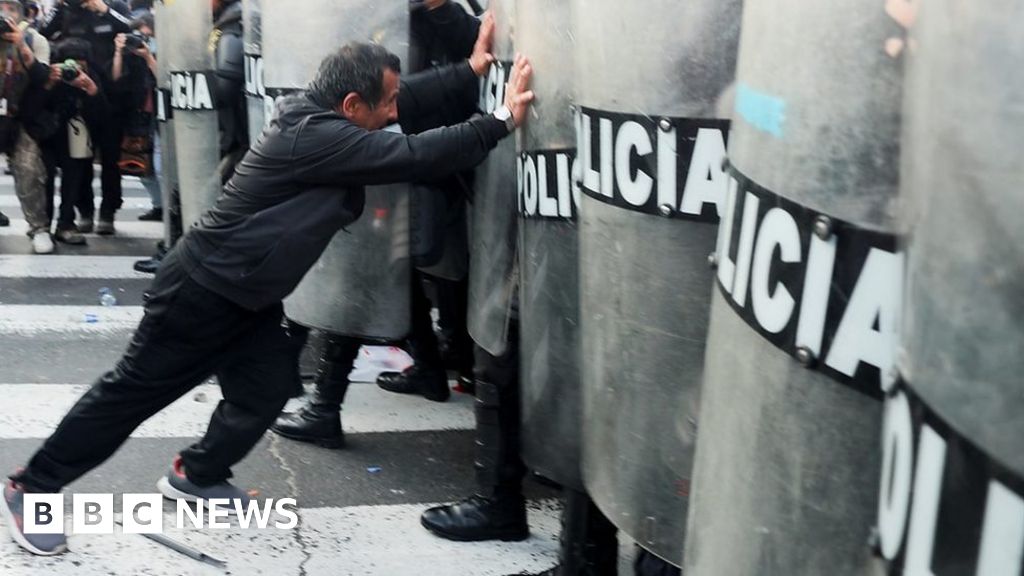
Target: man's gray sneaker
(105, 227)
(176, 486)
(13, 508)
(69, 236)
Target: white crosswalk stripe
(34, 410)
(28, 319)
(126, 229)
(10, 202)
(60, 266)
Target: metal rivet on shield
(823, 227)
(713, 260)
(666, 210)
(665, 124)
(874, 538)
(805, 357)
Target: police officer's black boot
(647, 564)
(589, 546)
(429, 382)
(319, 421)
(498, 512)
(427, 376)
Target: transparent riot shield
(168, 154)
(360, 286)
(185, 47)
(260, 107)
(806, 297)
(492, 249)
(951, 497)
(549, 264)
(650, 145)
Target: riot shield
(168, 162)
(186, 50)
(360, 285)
(492, 213)
(806, 299)
(651, 144)
(549, 263)
(952, 489)
(260, 106)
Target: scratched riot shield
(260, 106)
(492, 243)
(806, 299)
(952, 491)
(168, 163)
(185, 46)
(360, 286)
(651, 143)
(549, 291)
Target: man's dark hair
(74, 49)
(144, 20)
(356, 67)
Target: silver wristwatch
(505, 115)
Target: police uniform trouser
(499, 468)
(187, 334)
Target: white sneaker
(42, 243)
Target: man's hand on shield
(517, 93)
(482, 58)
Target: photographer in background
(73, 102)
(133, 72)
(97, 22)
(24, 59)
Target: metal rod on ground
(179, 547)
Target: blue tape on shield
(765, 112)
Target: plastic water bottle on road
(107, 298)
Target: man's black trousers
(187, 334)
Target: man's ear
(350, 105)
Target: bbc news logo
(143, 514)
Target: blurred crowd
(78, 93)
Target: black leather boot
(589, 543)
(499, 511)
(319, 421)
(479, 518)
(430, 383)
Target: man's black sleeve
(333, 151)
(116, 18)
(55, 24)
(426, 92)
(38, 73)
(95, 109)
(453, 27)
